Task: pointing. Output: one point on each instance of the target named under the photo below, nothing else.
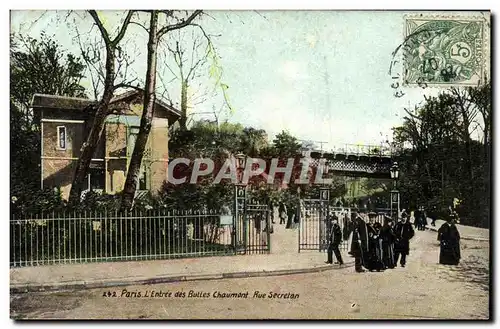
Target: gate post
(239, 216)
(324, 196)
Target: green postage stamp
(443, 51)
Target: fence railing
(314, 226)
(93, 237)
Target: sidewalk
(284, 259)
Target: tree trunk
(146, 118)
(90, 145)
(183, 119)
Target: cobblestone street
(422, 290)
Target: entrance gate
(252, 220)
(314, 224)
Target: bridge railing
(358, 149)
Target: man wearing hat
(359, 243)
(373, 261)
(404, 232)
(334, 239)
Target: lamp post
(395, 197)
(239, 203)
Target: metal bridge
(357, 160)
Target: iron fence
(314, 226)
(93, 237)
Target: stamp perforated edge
(484, 16)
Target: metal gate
(313, 223)
(252, 223)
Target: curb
(85, 285)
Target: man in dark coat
(388, 238)
(373, 261)
(449, 239)
(360, 243)
(433, 215)
(417, 219)
(423, 221)
(282, 212)
(404, 232)
(352, 225)
(334, 240)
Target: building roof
(60, 102)
(76, 103)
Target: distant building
(64, 122)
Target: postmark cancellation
(441, 51)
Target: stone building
(65, 120)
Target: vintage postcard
(200, 164)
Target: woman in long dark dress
(449, 239)
(388, 238)
(374, 261)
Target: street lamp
(395, 197)
(395, 172)
(239, 204)
(241, 160)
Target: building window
(61, 137)
(132, 138)
(142, 180)
(95, 179)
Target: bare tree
(155, 35)
(102, 107)
(187, 61)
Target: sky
(321, 75)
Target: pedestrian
(373, 260)
(346, 226)
(334, 239)
(404, 232)
(339, 204)
(282, 212)
(449, 239)
(424, 219)
(271, 209)
(433, 215)
(291, 214)
(351, 232)
(388, 239)
(360, 243)
(416, 219)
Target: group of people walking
(377, 247)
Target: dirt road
(422, 290)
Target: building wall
(58, 165)
(116, 156)
(159, 154)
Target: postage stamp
(443, 51)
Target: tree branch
(99, 24)
(145, 28)
(179, 25)
(127, 85)
(120, 35)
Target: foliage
(446, 156)
(286, 145)
(37, 66)
(24, 154)
(43, 66)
